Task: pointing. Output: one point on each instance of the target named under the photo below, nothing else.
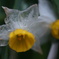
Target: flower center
(20, 37)
(55, 29)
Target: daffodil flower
(25, 30)
(47, 9)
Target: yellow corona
(55, 29)
(21, 40)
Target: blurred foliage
(7, 3)
(34, 55)
(55, 4)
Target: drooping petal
(4, 31)
(21, 19)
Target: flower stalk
(53, 51)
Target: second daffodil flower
(25, 30)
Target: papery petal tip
(7, 10)
(34, 5)
(3, 7)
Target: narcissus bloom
(24, 30)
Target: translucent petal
(22, 19)
(29, 16)
(30, 13)
(12, 19)
(4, 31)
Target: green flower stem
(53, 51)
(13, 54)
(4, 52)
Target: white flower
(27, 20)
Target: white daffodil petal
(30, 13)
(28, 16)
(17, 19)
(12, 19)
(40, 28)
(45, 19)
(41, 31)
(4, 31)
(46, 9)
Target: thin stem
(53, 51)
(13, 54)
